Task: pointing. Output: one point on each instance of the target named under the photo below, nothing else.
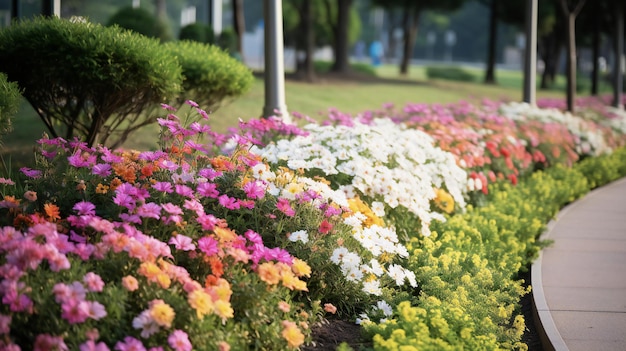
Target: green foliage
(197, 32)
(141, 21)
(87, 80)
(227, 40)
(210, 75)
(325, 66)
(9, 103)
(449, 73)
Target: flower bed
(411, 223)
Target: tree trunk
(341, 36)
(618, 77)
(550, 53)
(310, 41)
(490, 73)
(410, 19)
(239, 24)
(161, 9)
(595, 46)
(570, 16)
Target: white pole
(216, 12)
(274, 61)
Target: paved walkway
(579, 282)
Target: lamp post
(530, 54)
(450, 42)
(274, 61)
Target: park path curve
(579, 282)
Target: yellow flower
(102, 189)
(222, 289)
(292, 334)
(201, 302)
(357, 205)
(162, 313)
(223, 309)
(300, 268)
(444, 200)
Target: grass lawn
(349, 96)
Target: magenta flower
(255, 189)
(209, 173)
(208, 190)
(229, 202)
(182, 242)
(172, 209)
(208, 245)
(96, 310)
(124, 200)
(179, 341)
(102, 169)
(168, 107)
(85, 208)
(254, 237)
(169, 165)
(163, 187)
(284, 206)
(93, 282)
(194, 205)
(5, 324)
(29, 172)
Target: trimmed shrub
(9, 103)
(197, 32)
(141, 21)
(211, 76)
(87, 80)
(449, 73)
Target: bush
(197, 32)
(210, 74)
(9, 103)
(141, 21)
(87, 80)
(449, 73)
(227, 40)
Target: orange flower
(301, 268)
(102, 189)
(330, 308)
(52, 211)
(269, 273)
(116, 182)
(217, 267)
(225, 234)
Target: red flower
(325, 227)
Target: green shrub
(197, 32)
(449, 73)
(9, 103)
(210, 75)
(87, 80)
(227, 40)
(364, 68)
(142, 22)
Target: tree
(411, 10)
(239, 24)
(490, 72)
(341, 36)
(571, 9)
(86, 80)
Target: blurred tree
(411, 10)
(141, 21)
(239, 24)
(571, 9)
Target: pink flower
(207, 221)
(229, 202)
(172, 209)
(184, 190)
(92, 346)
(208, 190)
(75, 311)
(130, 344)
(5, 324)
(255, 189)
(179, 341)
(124, 200)
(96, 310)
(209, 173)
(93, 282)
(149, 210)
(284, 206)
(6, 181)
(194, 205)
(254, 237)
(169, 165)
(46, 342)
(130, 283)
(208, 245)
(182, 242)
(163, 187)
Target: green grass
(314, 100)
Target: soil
(331, 333)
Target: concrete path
(579, 282)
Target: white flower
(338, 255)
(300, 235)
(378, 208)
(372, 287)
(384, 307)
(397, 273)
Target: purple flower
(149, 210)
(124, 200)
(209, 173)
(101, 169)
(163, 187)
(85, 208)
(207, 221)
